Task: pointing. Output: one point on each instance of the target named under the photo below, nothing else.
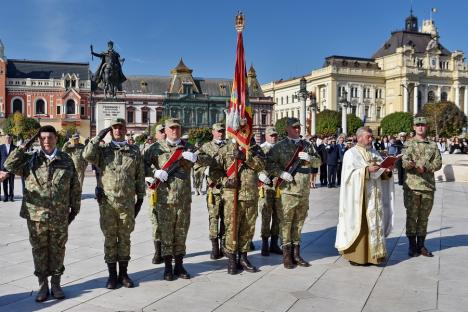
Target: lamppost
(313, 108)
(344, 107)
(303, 94)
(409, 90)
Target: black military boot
(274, 247)
(179, 270)
(112, 280)
(297, 256)
(265, 250)
(123, 278)
(412, 250)
(232, 263)
(157, 259)
(55, 288)
(252, 246)
(43, 292)
(215, 254)
(287, 257)
(422, 249)
(221, 248)
(245, 263)
(168, 274)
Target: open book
(389, 161)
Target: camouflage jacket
(178, 186)
(247, 174)
(216, 173)
(122, 171)
(76, 154)
(266, 148)
(279, 157)
(52, 188)
(426, 154)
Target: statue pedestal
(107, 110)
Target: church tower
(411, 22)
(3, 73)
(182, 80)
(255, 89)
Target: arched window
(40, 107)
(70, 107)
(17, 106)
(430, 97)
(443, 96)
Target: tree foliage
(20, 126)
(328, 121)
(200, 135)
(353, 123)
(64, 134)
(280, 126)
(445, 118)
(396, 122)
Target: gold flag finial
(240, 21)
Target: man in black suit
(9, 182)
(322, 151)
(333, 156)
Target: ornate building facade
(55, 93)
(197, 102)
(411, 69)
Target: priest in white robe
(366, 204)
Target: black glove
(99, 193)
(138, 204)
(103, 133)
(28, 144)
(71, 217)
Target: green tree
(353, 123)
(396, 122)
(328, 122)
(280, 126)
(200, 135)
(445, 118)
(20, 126)
(64, 135)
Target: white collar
(218, 141)
(119, 143)
(173, 143)
(294, 140)
(51, 156)
(267, 144)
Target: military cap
(293, 122)
(419, 120)
(185, 136)
(218, 126)
(402, 134)
(271, 131)
(117, 121)
(171, 122)
(76, 136)
(159, 128)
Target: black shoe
(265, 250)
(168, 274)
(412, 250)
(179, 270)
(55, 288)
(123, 278)
(5, 199)
(43, 292)
(287, 257)
(297, 257)
(112, 280)
(274, 247)
(12, 199)
(215, 254)
(422, 250)
(157, 258)
(232, 263)
(245, 263)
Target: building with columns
(54, 93)
(410, 69)
(197, 102)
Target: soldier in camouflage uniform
(238, 239)
(122, 178)
(51, 200)
(197, 175)
(213, 196)
(173, 196)
(421, 158)
(75, 150)
(294, 190)
(267, 202)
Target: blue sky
(282, 38)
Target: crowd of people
(273, 179)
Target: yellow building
(412, 68)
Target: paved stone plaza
(330, 284)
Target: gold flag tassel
(278, 192)
(261, 192)
(210, 196)
(153, 198)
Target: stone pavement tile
(233, 307)
(453, 303)
(319, 304)
(88, 307)
(11, 293)
(15, 272)
(29, 304)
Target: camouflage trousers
(268, 210)
(215, 215)
(246, 217)
(198, 178)
(48, 246)
(292, 212)
(173, 225)
(154, 220)
(418, 206)
(117, 224)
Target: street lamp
(303, 94)
(313, 108)
(344, 107)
